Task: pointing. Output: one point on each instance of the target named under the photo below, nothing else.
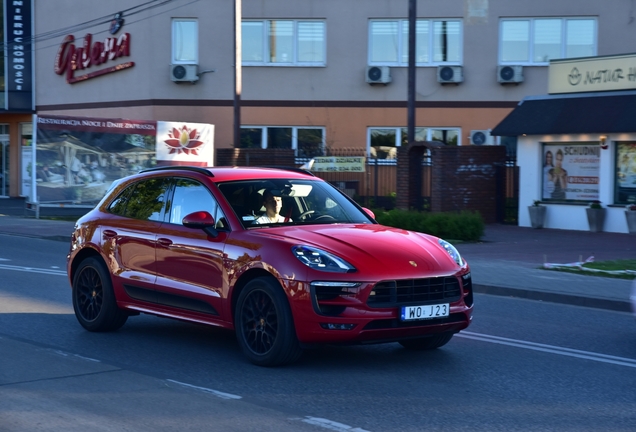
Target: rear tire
(427, 343)
(264, 324)
(94, 301)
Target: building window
(307, 142)
(539, 40)
(185, 41)
(436, 42)
(383, 142)
(283, 43)
(625, 186)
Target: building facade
(316, 74)
(16, 91)
(578, 146)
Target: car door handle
(109, 233)
(164, 241)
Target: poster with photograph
(571, 172)
(626, 173)
(78, 158)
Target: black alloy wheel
(93, 298)
(264, 324)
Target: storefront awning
(601, 113)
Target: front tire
(427, 343)
(264, 324)
(94, 301)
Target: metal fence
(376, 187)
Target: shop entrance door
(4, 165)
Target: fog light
(332, 326)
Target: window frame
(174, 41)
(398, 136)
(266, 49)
(531, 38)
(294, 135)
(401, 32)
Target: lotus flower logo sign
(184, 140)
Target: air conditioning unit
(450, 74)
(481, 137)
(378, 75)
(184, 73)
(510, 74)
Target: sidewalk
(506, 262)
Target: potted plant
(537, 214)
(630, 215)
(596, 216)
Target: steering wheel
(304, 215)
(325, 216)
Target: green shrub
(463, 226)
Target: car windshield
(260, 203)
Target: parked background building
(316, 74)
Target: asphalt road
(522, 365)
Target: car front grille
(409, 291)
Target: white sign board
(185, 142)
(338, 164)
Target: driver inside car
(272, 205)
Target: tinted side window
(143, 200)
(118, 206)
(191, 196)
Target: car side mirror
(201, 220)
(369, 212)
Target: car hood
(373, 249)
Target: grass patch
(617, 265)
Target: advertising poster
(185, 144)
(78, 158)
(571, 172)
(626, 173)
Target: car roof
(230, 173)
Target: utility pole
(237, 72)
(411, 73)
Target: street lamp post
(237, 72)
(411, 73)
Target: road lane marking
(331, 425)
(33, 270)
(62, 353)
(316, 421)
(587, 355)
(207, 390)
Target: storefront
(577, 145)
(16, 93)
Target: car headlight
(454, 253)
(320, 260)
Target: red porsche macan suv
(191, 243)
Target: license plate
(414, 313)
